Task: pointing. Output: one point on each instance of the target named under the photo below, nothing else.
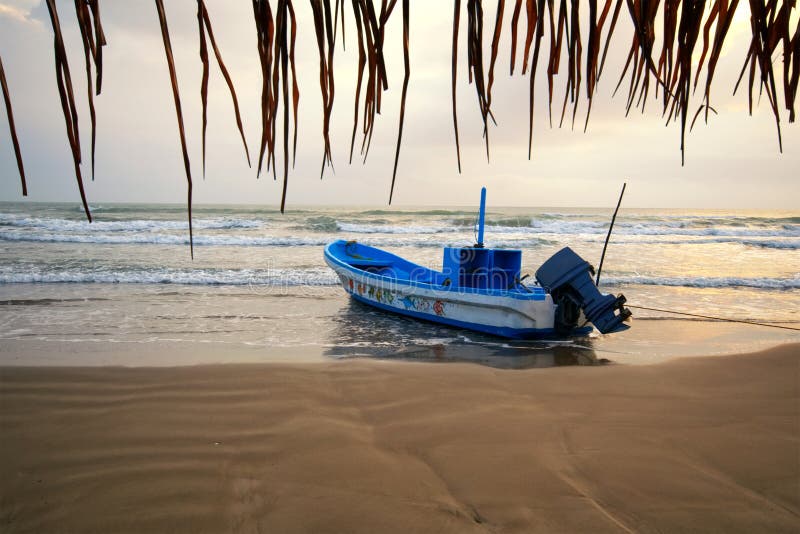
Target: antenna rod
(608, 236)
(481, 218)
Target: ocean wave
(778, 244)
(597, 227)
(200, 240)
(783, 244)
(360, 228)
(581, 227)
(166, 239)
(322, 276)
(135, 225)
(706, 282)
(211, 277)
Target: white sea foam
(261, 277)
(778, 243)
(136, 225)
(164, 239)
(357, 228)
(706, 282)
(322, 276)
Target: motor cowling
(568, 276)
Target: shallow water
(258, 289)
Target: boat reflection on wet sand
(364, 332)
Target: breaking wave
(211, 277)
(135, 225)
(706, 282)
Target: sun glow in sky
(732, 162)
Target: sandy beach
(695, 444)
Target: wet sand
(696, 444)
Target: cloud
(18, 12)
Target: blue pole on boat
(481, 218)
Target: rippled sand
(709, 444)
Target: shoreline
(704, 443)
(648, 342)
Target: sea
(124, 289)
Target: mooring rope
(715, 318)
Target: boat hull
(509, 314)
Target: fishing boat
(481, 289)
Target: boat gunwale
(537, 294)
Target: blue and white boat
(480, 289)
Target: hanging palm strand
(12, 128)
(475, 63)
(456, 18)
(276, 47)
(265, 33)
(204, 23)
(722, 11)
(766, 29)
(614, 18)
(64, 83)
(336, 11)
(88, 13)
(324, 30)
(574, 51)
(593, 52)
(498, 27)
(162, 18)
(282, 59)
(370, 27)
(295, 87)
(531, 88)
(407, 64)
(557, 30)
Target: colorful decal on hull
(409, 302)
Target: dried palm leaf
(64, 83)
(93, 42)
(362, 61)
(531, 88)
(725, 11)
(762, 25)
(556, 40)
(611, 28)
(593, 52)
(407, 64)
(498, 26)
(792, 94)
(12, 128)
(371, 28)
(162, 18)
(204, 24)
(574, 52)
(532, 17)
(456, 19)
(643, 15)
(265, 30)
(336, 23)
(321, 10)
(688, 32)
(100, 41)
(282, 49)
(276, 41)
(475, 62)
(295, 88)
(514, 24)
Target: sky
(731, 162)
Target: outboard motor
(567, 277)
